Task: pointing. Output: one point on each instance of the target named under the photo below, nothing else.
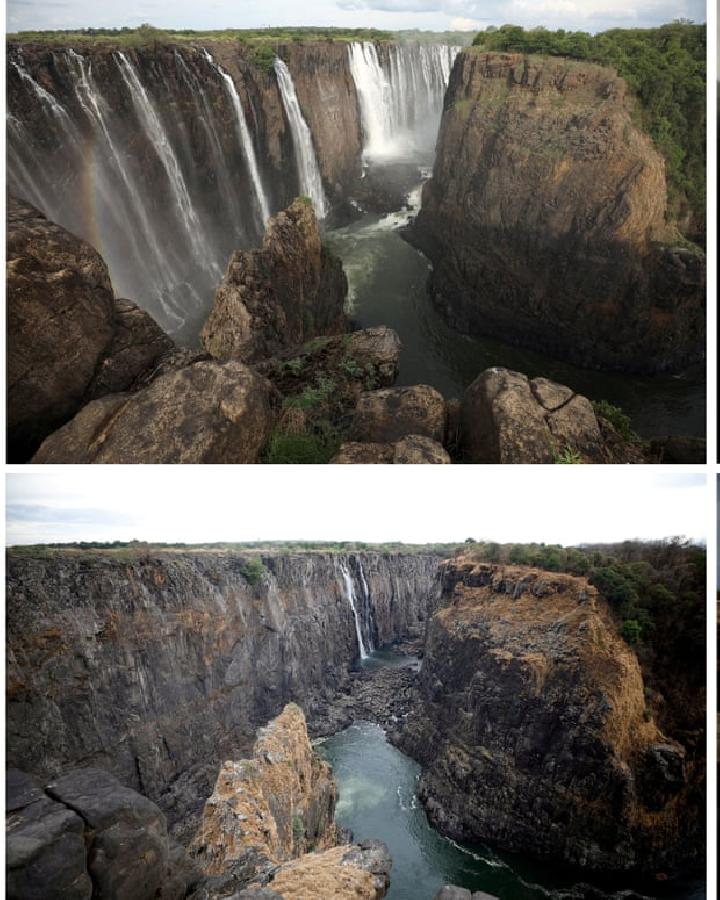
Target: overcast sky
(589, 15)
(561, 504)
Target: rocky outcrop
(157, 666)
(209, 412)
(59, 323)
(413, 449)
(450, 892)
(533, 728)
(289, 291)
(545, 219)
(392, 414)
(279, 803)
(84, 835)
(507, 418)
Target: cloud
(458, 23)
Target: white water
(246, 143)
(401, 91)
(308, 170)
(154, 128)
(350, 590)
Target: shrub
(569, 457)
(253, 570)
(631, 630)
(617, 418)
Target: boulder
(291, 289)
(393, 413)
(208, 412)
(45, 855)
(507, 418)
(137, 347)
(60, 313)
(127, 833)
(379, 347)
(413, 449)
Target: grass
(300, 449)
(617, 418)
(568, 457)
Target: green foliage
(312, 396)
(568, 456)
(631, 630)
(263, 57)
(304, 199)
(293, 366)
(253, 570)
(665, 68)
(617, 418)
(298, 828)
(318, 447)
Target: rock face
(157, 667)
(69, 340)
(279, 803)
(289, 291)
(394, 413)
(59, 323)
(84, 835)
(570, 768)
(413, 449)
(208, 412)
(545, 219)
(506, 418)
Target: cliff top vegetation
(147, 35)
(666, 70)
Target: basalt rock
(507, 418)
(392, 414)
(59, 323)
(289, 291)
(157, 667)
(413, 449)
(532, 727)
(87, 835)
(208, 412)
(545, 219)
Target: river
(387, 286)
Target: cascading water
(350, 590)
(400, 88)
(308, 171)
(245, 139)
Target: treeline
(441, 549)
(665, 67)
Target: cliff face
(533, 729)
(545, 219)
(156, 667)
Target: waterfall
(400, 89)
(159, 139)
(308, 171)
(350, 590)
(245, 139)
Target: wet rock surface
(290, 290)
(545, 219)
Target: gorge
(169, 158)
(526, 709)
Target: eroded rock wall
(532, 726)
(157, 666)
(545, 219)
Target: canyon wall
(545, 219)
(156, 666)
(533, 729)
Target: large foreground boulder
(391, 414)
(69, 340)
(413, 449)
(288, 291)
(208, 412)
(507, 418)
(59, 322)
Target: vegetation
(314, 448)
(617, 418)
(665, 67)
(253, 570)
(568, 456)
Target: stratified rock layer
(289, 291)
(545, 219)
(533, 729)
(159, 666)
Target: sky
(471, 15)
(560, 504)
